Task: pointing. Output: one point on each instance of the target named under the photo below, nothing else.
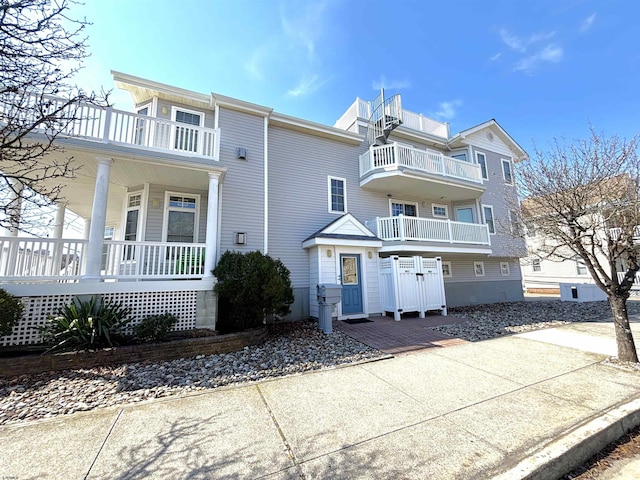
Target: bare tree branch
(582, 202)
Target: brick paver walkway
(406, 336)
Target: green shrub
(154, 328)
(250, 287)
(11, 309)
(86, 325)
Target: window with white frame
(440, 211)
(132, 223)
(459, 156)
(337, 194)
(409, 209)
(581, 268)
(481, 158)
(446, 269)
(504, 269)
(536, 265)
(478, 269)
(487, 213)
(185, 137)
(181, 217)
(507, 173)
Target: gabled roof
(345, 230)
(494, 126)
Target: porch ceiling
(125, 172)
(404, 184)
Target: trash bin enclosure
(412, 284)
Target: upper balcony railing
(395, 155)
(405, 228)
(36, 260)
(415, 121)
(108, 125)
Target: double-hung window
(337, 195)
(487, 213)
(507, 173)
(403, 208)
(181, 217)
(482, 161)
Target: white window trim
(539, 264)
(446, 210)
(450, 270)
(404, 202)
(142, 213)
(504, 177)
(165, 213)
(493, 216)
(344, 187)
(576, 263)
(475, 269)
(175, 109)
(485, 164)
(502, 271)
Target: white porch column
(15, 209)
(58, 227)
(211, 245)
(98, 220)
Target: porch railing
(108, 125)
(415, 121)
(636, 282)
(394, 156)
(62, 260)
(429, 229)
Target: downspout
(266, 185)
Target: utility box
(581, 292)
(329, 295)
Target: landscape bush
(86, 325)
(11, 309)
(251, 287)
(154, 328)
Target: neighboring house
(385, 196)
(542, 271)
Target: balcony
(45, 260)
(399, 168)
(117, 127)
(403, 228)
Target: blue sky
(540, 68)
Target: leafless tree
(581, 201)
(41, 49)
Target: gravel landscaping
(289, 349)
(490, 321)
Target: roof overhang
(458, 140)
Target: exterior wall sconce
(241, 153)
(329, 253)
(241, 238)
(165, 110)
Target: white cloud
(447, 109)
(520, 44)
(307, 85)
(495, 57)
(551, 54)
(587, 23)
(393, 84)
(304, 27)
(253, 66)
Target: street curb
(571, 450)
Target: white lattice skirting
(182, 304)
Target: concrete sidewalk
(500, 408)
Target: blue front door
(351, 284)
